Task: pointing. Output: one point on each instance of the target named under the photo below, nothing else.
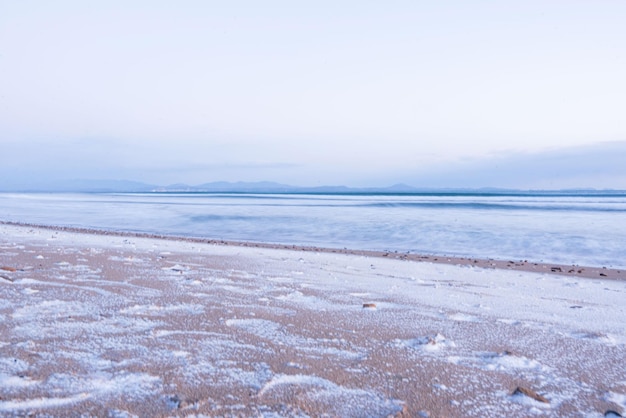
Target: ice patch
(227, 373)
(65, 286)
(280, 279)
(345, 402)
(463, 317)
(428, 343)
(301, 299)
(259, 327)
(12, 365)
(16, 381)
(273, 331)
(51, 309)
(298, 379)
(617, 398)
(608, 339)
(41, 403)
(125, 385)
(508, 321)
(130, 259)
(156, 310)
(499, 362)
(177, 268)
(167, 333)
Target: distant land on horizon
(268, 187)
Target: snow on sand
(120, 326)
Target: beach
(107, 324)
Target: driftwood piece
(530, 393)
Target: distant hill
(272, 187)
(267, 187)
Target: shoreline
(573, 270)
(110, 324)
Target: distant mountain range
(125, 186)
(271, 187)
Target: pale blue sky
(309, 93)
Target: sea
(565, 228)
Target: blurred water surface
(569, 229)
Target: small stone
(174, 402)
(369, 306)
(404, 412)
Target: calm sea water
(586, 230)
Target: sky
(361, 93)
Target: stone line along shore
(519, 265)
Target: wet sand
(516, 265)
(109, 324)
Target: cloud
(33, 163)
(593, 166)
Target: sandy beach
(118, 325)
